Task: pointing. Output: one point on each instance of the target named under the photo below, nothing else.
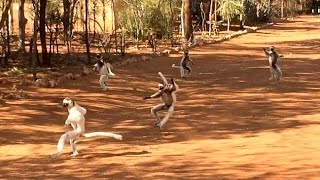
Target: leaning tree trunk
(187, 19)
(87, 33)
(22, 27)
(4, 15)
(42, 29)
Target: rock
(56, 74)
(158, 53)
(77, 76)
(86, 71)
(25, 82)
(166, 51)
(70, 76)
(42, 83)
(177, 49)
(61, 79)
(53, 83)
(3, 81)
(145, 58)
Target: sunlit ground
(230, 122)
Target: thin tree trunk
(210, 17)
(22, 27)
(104, 15)
(7, 41)
(215, 10)
(94, 21)
(87, 33)
(187, 19)
(171, 24)
(282, 8)
(66, 18)
(113, 16)
(34, 40)
(114, 25)
(42, 29)
(182, 20)
(228, 29)
(241, 17)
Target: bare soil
(231, 121)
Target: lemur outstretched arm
(266, 52)
(191, 61)
(163, 78)
(155, 95)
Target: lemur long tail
(175, 66)
(106, 134)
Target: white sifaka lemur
(76, 119)
(273, 57)
(184, 64)
(167, 95)
(104, 70)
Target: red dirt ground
(230, 122)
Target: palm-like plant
(230, 8)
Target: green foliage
(230, 8)
(53, 12)
(147, 16)
(264, 14)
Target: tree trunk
(87, 33)
(210, 17)
(104, 15)
(4, 15)
(171, 23)
(7, 41)
(34, 40)
(215, 10)
(228, 28)
(282, 8)
(10, 19)
(241, 17)
(94, 20)
(22, 26)
(66, 17)
(42, 29)
(182, 20)
(187, 19)
(113, 16)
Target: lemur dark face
(160, 86)
(67, 102)
(186, 52)
(272, 48)
(98, 65)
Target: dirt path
(231, 122)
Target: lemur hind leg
(103, 82)
(279, 73)
(166, 117)
(156, 109)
